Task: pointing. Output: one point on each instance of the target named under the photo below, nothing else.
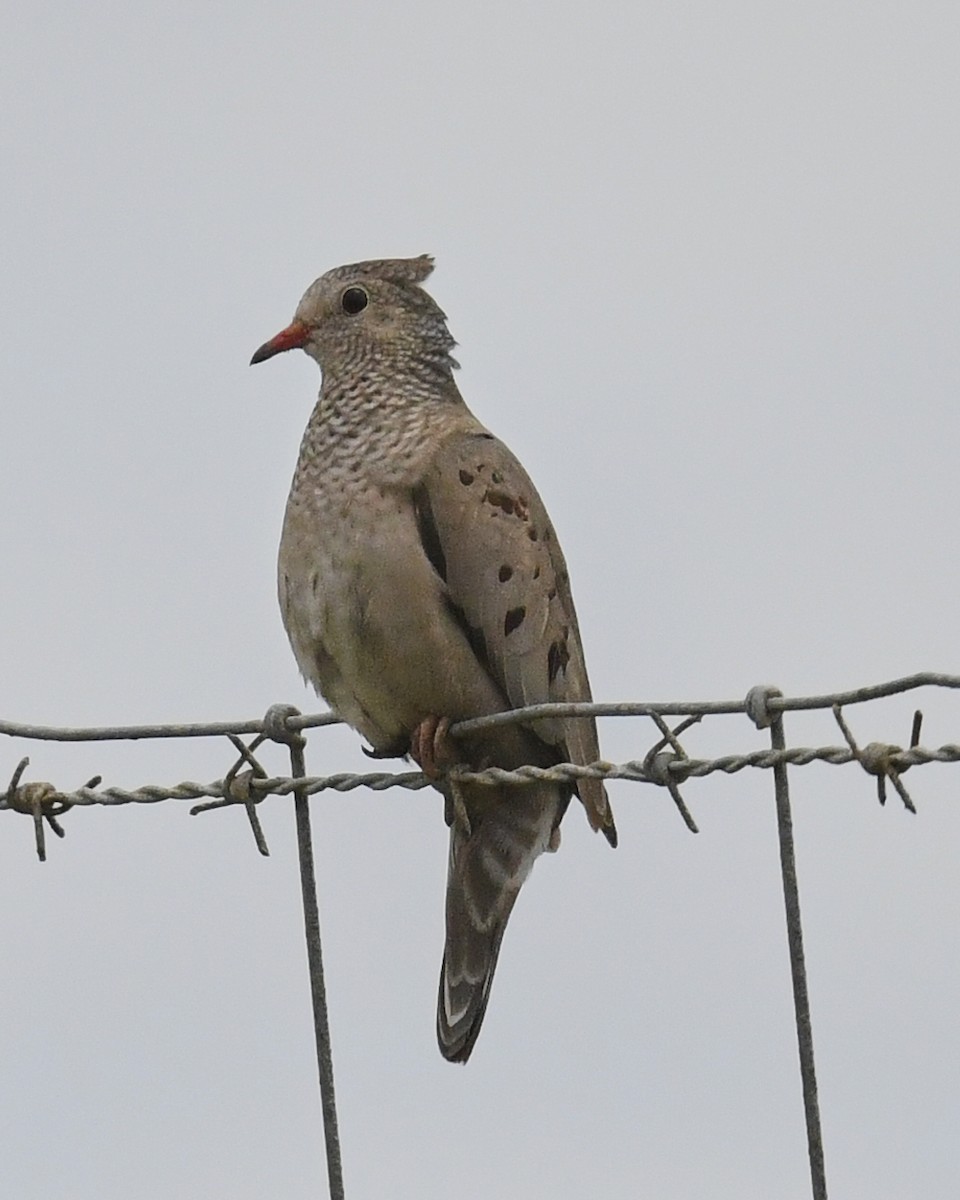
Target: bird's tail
(488, 865)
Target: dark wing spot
(429, 536)
(499, 500)
(315, 582)
(496, 477)
(513, 620)
(521, 507)
(557, 658)
(552, 594)
(536, 572)
(532, 534)
(506, 573)
(466, 478)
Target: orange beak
(294, 337)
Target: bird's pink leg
(432, 749)
(430, 746)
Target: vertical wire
(798, 970)
(318, 990)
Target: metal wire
(635, 771)
(798, 967)
(665, 766)
(673, 708)
(318, 987)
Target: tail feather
(487, 868)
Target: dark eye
(353, 300)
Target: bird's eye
(353, 300)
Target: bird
(421, 583)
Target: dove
(421, 583)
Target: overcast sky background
(702, 262)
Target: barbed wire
(666, 764)
(663, 766)
(634, 771)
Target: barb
(41, 801)
(659, 763)
(882, 760)
(239, 786)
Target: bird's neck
(367, 429)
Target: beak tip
(294, 337)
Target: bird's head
(368, 312)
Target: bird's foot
(430, 747)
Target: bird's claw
(430, 747)
(394, 750)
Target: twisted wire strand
(633, 771)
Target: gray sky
(702, 264)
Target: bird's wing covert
(488, 535)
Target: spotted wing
(488, 534)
